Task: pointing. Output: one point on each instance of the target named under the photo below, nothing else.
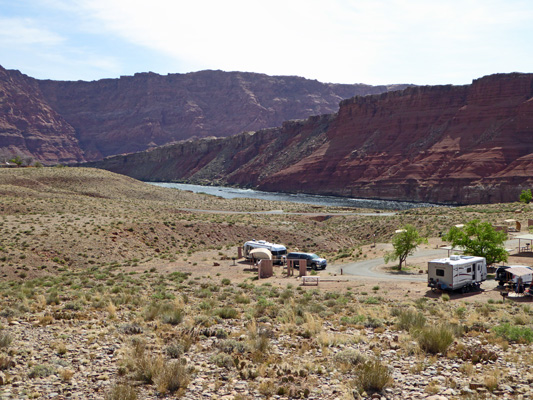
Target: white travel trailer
(279, 252)
(464, 273)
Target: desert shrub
(373, 376)
(131, 329)
(476, 353)
(6, 362)
(144, 367)
(352, 320)
(242, 299)
(349, 357)
(172, 316)
(41, 371)
(66, 374)
(460, 312)
(73, 306)
(174, 350)
(259, 339)
(226, 313)
(372, 300)
(5, 340)
(513, 333)
(152, 311)
(169, 313)
(410, 319)
(435, 339)
(121, 392)
(173, 376)
(373, 323)
(8, 313)
(52, 298)
(222, 360)
(230, 346)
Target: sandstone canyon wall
(443, 144)
(65, 121)
(30, 127)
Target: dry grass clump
(5, 339)
(372, 376)
(168, 376)
(122, 391)
(409, 320)
(348, 359)
(167, 312)
(172, 377)
(435, 339)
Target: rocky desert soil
(114, 289)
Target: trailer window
(440, 272)
(469, 269)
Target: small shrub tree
(526, 196)
(405, 243)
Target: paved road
(368, 268)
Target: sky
(423, 42)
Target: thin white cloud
(369, 41)
(25, 31)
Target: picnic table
(310, 279)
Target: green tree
(405, 243)
(479, 239)
(16, 160)
(526, 196)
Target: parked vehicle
(464, 273)
(278, 250)
(313, 261)
(503, 275)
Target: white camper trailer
(463, 273)
(279, 252)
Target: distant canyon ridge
(444, 144)
(68, 122)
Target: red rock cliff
(135, 113)
(444, 144)
(29, 126)
(61, 121)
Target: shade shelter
(519, 270)
(528, 242)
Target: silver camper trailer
(279, 252)
(464, 273)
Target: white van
(279, 252)
(463, 273)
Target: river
(333, 201)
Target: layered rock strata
(29, 127)
(443, 144)
(64, 121)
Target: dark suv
(313, 261)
